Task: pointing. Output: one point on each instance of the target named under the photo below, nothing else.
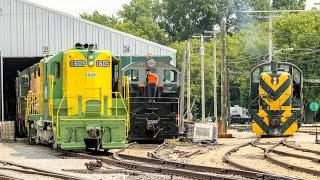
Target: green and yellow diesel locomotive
(276, 99)
(72, 101)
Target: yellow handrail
(34, 103)
(51, 80)
(57, 116)
(117, 94)
(127, 94)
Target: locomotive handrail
(34, 103)
(127, 96)
(117, 94)
(253, 101)
(51, 79)
(57, 118)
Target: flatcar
(71, 100)
(276, 99)
(156, 119)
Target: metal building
(29, 31)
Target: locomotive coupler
(152, 124)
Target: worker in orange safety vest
(152, 82)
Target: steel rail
(157, 169)
(176, 168)
(5, 177)
(248, 174)
(286, 165)
(301, 149)
(226, 159)
(37, 171)
(24, 171)
(295, 155)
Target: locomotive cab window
(58, 70)
(267, 68)
(296, 75)
(35, 73)
(296, 83)
(25, 80)
(133, 75)
(256, 75)
(285, 67)
(170, 76)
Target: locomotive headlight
(91, 60)
(275, 81)
(91, 63)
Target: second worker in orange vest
(152, 81)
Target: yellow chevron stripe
(281, 79)
(276, 104)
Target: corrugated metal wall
(27, 28)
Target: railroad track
(268, 154)
(173, 168)
(11, 166)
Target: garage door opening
(11, 66)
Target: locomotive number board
(82, 63)
(102, 63)
(78, 63)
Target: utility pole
(203, 101)
(183, 69)
(2, 100)
(270, 38)
(215, 102)
(189, 114)
(270, 34)
(203, 110)
(224, 103)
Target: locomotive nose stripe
(283, 98)
(266, 78)
(267, 88)
(257, 119)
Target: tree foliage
(288, 4)
(174, 21)
(141, 8)
(141, 26)
(99, 18)
(301, 32)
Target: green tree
(301, 32)
(145, 28)
(137, 8)
(289, 4)
(99, 18)
(142, 26)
